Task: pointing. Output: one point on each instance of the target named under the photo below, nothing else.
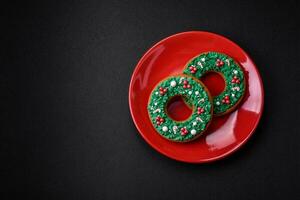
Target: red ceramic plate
(225, 134)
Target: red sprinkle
(235, 79)
(162, 90)
(159, 120)
(184, 131)
(219, 63)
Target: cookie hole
(178, 110)
(214, 82)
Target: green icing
(195, 96)
(206, 62)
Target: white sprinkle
(156, 93)
(175, 128)
(199, 119)
(235, 71)
(236, 88)
(197, 93)
(180, 80)
(201, 100)
(165, 129)
(218, 103)
(194, 123)
(203, 59)
(193, 132)
(227, 61)
(233, 95)
(190, 92)
(157, 110)
(173, 83)
(200, 64)
(155, 103)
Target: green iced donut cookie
(194, 94)
(231, 72)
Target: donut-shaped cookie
(231, 72)
(195, 96)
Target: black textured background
(66, 131)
